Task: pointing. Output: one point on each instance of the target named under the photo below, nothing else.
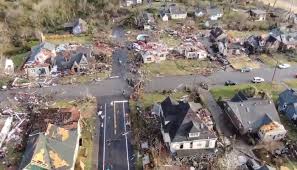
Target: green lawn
(170, 41)
(244, 34)
(228, 92)
(178, 67)
(291, 83)
(276, 59)
(19, 59)
(268, 60)
(148, 99)
(59, 39)
(83, 79)
(5, 80)
(290, 127)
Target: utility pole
(272, 80)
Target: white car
(258, 80)
(284, 66)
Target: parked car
(283, 66)
(230, 83)
(258, 80)
(245, 69)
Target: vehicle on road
(245, 69)
(258, 80)
(283, 66)
(230, 83)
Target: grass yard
(59, 39)
(83, 79)
(170, 41)
(148, 99)
(5, 80)
(278, 58)
(244, 34)
(228, 92)
(178, 67)
(19, 59)
(242, 61)
(291, 83)
(290, 127)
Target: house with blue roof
(287, 104)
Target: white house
(272, 131)
(164, 16)
(9, 66)
(154, 56)
(177, 12)
(183, 131)
(132, 2)
(197, 54)
(199, 12)
(214, 13)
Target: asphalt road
(115, 149)
(219, 78)
(115, 86)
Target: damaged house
(183, 130)
(254, 44)
(145, 21)
(152, 52)
(77, 63)
(57, 148)
(53, 146)
(282, 41)
(39, 60)
(77, 27)
(255, 116)
(192, 50)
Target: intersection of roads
(114, 145)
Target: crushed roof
(54, 149)
(271, 126)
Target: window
(181, 146)
(191, 144)
(149, 59)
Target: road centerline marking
(114, 119)
(127, 151)
(104, 136)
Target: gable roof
(53, 149)
(182, 121)
(254, 112)
(212, 11)
(62, 64)
(289, 96)
(37, 49)
(177, 10)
